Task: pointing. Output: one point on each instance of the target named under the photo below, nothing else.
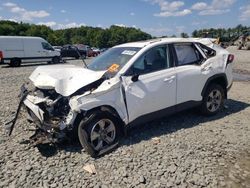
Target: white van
(16, 50)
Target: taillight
(1, 55)
(230, 58)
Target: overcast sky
(157, 17)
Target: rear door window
(187, 54)
(209, 52)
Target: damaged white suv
(129, 84)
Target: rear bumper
(2, 61)
(5, 61)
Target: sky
(156, 17)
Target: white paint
(35, 109)
(152, 92)
(128, 52)
(65, 79)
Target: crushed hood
(65, 79)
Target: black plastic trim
(209, 80)
(229, 87)
(164, 112)
(27, 58)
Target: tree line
(102, 38)
(225, 35)
(92, 36)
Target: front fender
(112, 99)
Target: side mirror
(135, 78)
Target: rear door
(192, 72)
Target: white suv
(129, 84)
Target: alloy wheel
(102, 134)
(214, 100)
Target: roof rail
(155, 40)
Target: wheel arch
(220, 79)
(15, 59)
(102, 108)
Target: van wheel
(248, 46)
(213, 100)
(15, 62)
(56, 60)
(83, 56)
(99, 133)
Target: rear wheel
(213, 100)
(15, 62)
(99, 133)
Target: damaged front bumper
(51, 115)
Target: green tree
(184, 35)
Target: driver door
(155, 88)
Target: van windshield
(113, 59)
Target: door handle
(169, 79)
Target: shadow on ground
(49, 150)
(167, 125)
(183, 120)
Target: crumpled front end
(47, 99)
(51, 114)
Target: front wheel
(213, 100)
(56, 60)
(99, 133)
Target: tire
(15, 62)
(99, 133)
(56, 60)
(248, 45)
(213, 100)
(77, 57)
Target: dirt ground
(241, 61)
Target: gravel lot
(242, 61)
(184, 150)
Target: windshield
(113, 59)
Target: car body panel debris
(90, 168)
